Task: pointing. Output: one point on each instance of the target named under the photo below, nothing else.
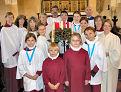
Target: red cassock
(77, 66)
(53, 72)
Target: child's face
(30, 42)
(43, 18)
(90, 35)
(42, 30)
(53, 51)
(9, 19)
(98, 22)
(21, 21)
(76, 17)
(32, 24)
(75, 42)
(64, 17)
(107, 27)
(84, 24)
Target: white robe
(98, 58)
(112, 45)
(9, 45)
(48, 30)
(42, 44)
(24, 67)
(21, 33)
(51, 20)
(77, 27)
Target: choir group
(36, 63)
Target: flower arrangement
(62, 34)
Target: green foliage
(62, 34)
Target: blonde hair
(53, 45)
(108, 21)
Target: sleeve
(101, 61)
(62, 73)
(88, 69)
(66, 66)
(44, 73)
(41, 58)
(21, 69)
(115, 52)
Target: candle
(56, 25)
(53, 29)
(61, 24)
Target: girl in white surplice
(30, 65)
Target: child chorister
(42, 42)
(9, 49)
(97, 58)
(30, 65)
(53, 70)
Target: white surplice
(112, 45)
(9, 45)
(98, 58)
(42, 44)
(25, 67)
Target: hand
(107, 54)
(35, 77)
(28, 76)
(56, 86)
(67, 83)
(51, 86)
(86, 82)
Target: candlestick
(61, 24)
(53, 31)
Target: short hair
(53, 45)
(55, 6)
(98, 16)
(90, 28)
(43, 14)
(64, 12)
(77, 12)
(77, 35)
(108, 21)
(8, 14)
(84, 18)
(40, 24)
(30, 35)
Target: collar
(53, 57)
(29, 48)
(92, 42)
(75, 49)
(90, 18)
(7, 25)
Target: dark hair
(18, 18)
(84, 18)
(8, 14)
(77, 12)
(90, 28)
(30, 35)
(64, 12)
(55, 6)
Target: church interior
(107, 8)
